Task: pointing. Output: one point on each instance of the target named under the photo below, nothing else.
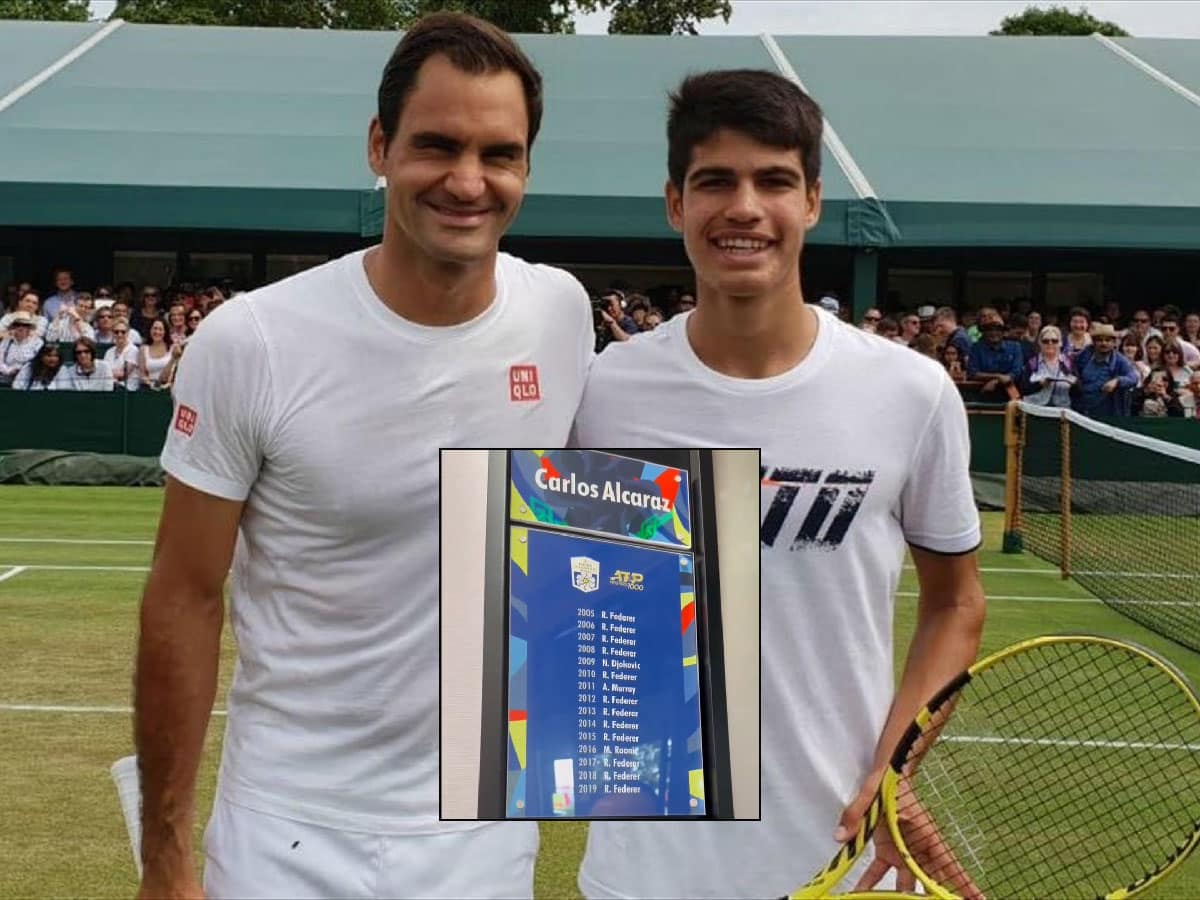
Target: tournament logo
(633, 581)
(585, 574)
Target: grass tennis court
(68, 615)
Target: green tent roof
(959, 141)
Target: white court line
(15, 570)
(1058, 742)
(1022, 597)
(1014, 571)
(46, 708)
(82, 568)
(29, 540)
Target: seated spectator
(120, 310)
(102, 323)
(1018, 326)
(1172, 332)
(1156, 399)
(947, 330)
(654, 318)
(18, 348)
(148, 312)
(1191, 329)
(85, 374)
(954, 363)
(888, 328)
(1151, 351)
(156, 362)
(177, 324)
(831, 304)
(70, 323)
(194, 318)
(1078, 339)
(995, 361)
(926, 345)
(870, 320)
(64, 295)
(910, 327)
(1048, 379)
(687, 302)
(985, 315)
(1132, 351)
(1106, 378)
(1112, 314)
(39, 373)
(1190, 399)
(1033, 327)
(28, 304)
(86, 306)
(620, 325)
(122, 358)
(925, 315)
(1139, 324)
(1172, 355)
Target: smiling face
(457, 165)
(743, 213)
(158, 331)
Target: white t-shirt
(69, 378)
(132, 362)
(332, 441)
(864, 448)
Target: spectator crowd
(1098, 362)
(111, 339)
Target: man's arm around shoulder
(176, 680)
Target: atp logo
(829, 501)
(585, 574)
(634, 581)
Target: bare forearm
(175, 684)
(946, 641)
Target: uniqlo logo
(185, 420)
(523, 384)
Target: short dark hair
(1079, 311)
(759, 104)
(472, 46)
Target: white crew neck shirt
(332, 441)
(864, 449)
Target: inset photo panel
(600, 634)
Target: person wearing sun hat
(1106, 377)
(19, 347)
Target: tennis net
(1117, 511)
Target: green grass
(67, 638)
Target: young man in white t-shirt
(864, 450)
(312, 464)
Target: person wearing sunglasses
(122, 358)
(1106, 378)
(194, 318)
(1048, 375)
(1172, 331)
(85, 374)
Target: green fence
(134, 424)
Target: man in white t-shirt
(864, 451)
(314, 468)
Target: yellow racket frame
(884, 802)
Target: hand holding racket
(1065, 766)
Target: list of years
(607, 683)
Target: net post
(1064, 440)
(1012, 478)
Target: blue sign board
(603, 709)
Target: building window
(144, 267)
(214, 268)
(1067, 289)
(910, 288)
(991, 288)
(281, 265)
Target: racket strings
(1070, 769)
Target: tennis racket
(1062, 766)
